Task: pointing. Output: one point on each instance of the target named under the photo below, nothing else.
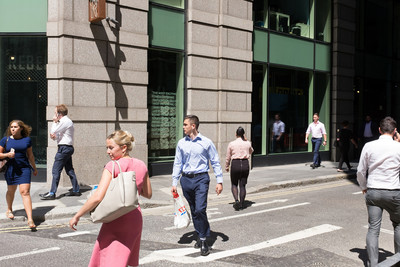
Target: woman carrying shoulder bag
(118, 242)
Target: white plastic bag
(182, 216)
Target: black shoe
(237, 205)
(197, 244)
(42, 195)
(312, 166)
(204, 250)
(48, 196)
(73, 194)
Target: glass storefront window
(23, 87)
(260, 13)
(290, 17)
(323, 20)
(164, 104)
(288, 97)
(321, 100)
(378, 30)
(257, 133)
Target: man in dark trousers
(191, 165)
(378, 177)
(62, 131)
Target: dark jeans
(378, 200)
(195, 191)
(316, 143)
(277, 143)
(63, 159)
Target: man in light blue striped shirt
(191, 165)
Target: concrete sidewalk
(260, 179)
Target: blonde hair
(26, 129)
(62, 109)
(122, 138)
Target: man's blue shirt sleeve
(177, 168)
(214, 159)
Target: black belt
(240, 159)
(65, 145)
(192, 175)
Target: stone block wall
(219, 50)
(99, 70)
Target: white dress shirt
(381, 158)
(278, 127)
(316, 129)
(367, 129)
(64, 131)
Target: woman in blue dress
(17, 147)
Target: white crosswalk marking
(28, 253)
(74, 234)
(179, 255)
(250, 213)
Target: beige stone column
(219, 46)
(99, 71)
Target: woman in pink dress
(118, 243)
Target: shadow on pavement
(363, 255)
(192, 237)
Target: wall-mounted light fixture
(97, 10)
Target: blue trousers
(63, 159)
(316, 143)
(195, 191)
(378, 200)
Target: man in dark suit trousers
(193, 154)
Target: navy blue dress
(18, 169)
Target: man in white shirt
(317, 131)
(378, 177)
(278, 130)
(62, 131)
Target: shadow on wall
(112, 61)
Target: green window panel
(260, 46)
(321, 102)
(174, 3)
(322, 57)
(25, 16)
(166, 27)
(291, 52)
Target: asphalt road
(318, 225)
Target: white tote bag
(121, 197)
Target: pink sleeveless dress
(118, 243)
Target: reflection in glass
(260, 12)
(256, 108)
(162, 104)
(288, 97)
(323, 20)
(290, 17)
(23, 87)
